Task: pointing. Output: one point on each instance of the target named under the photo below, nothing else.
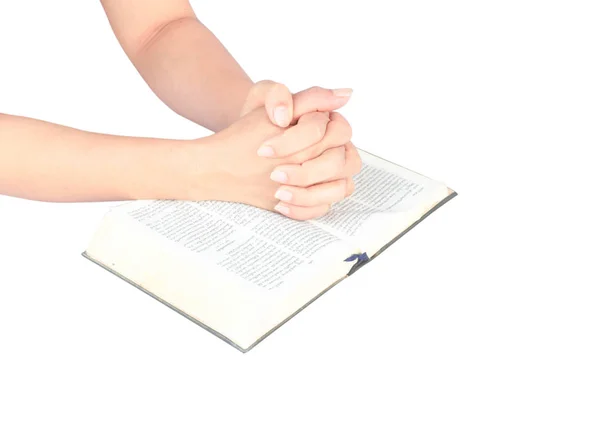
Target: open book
(241, 272)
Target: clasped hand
(298, 170)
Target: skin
(271, 149)
(55, 163)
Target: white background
(483, 321)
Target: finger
(320, 194)
(349, 187)
(248, 125)
(338, 133)
(257, 96)
(275, 97)
(323, 168)
(279, 105)
(353, 160)
(319, 99)
(301, 212)
(310, 130)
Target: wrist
(191, 174)
(153, 169)
(199, 170)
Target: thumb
(320, 99)
(275, 97)
(279, 105)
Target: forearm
(192, 72)
(48, 162)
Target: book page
(235, 268)
(259, 247)
(386, 197)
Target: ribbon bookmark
(360, 258)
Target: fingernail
(282, 209)
(279, 176)
(265, 151)
(342, 92)
(284, 195)
(280, 114)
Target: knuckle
(319, 131)
(344, 127)
(335, 130)
(333, 163)
(314, 198)
(340, 159)
(313, 117)
(318, 150)
(347, 131)
(298, 158)
(301, 157)
(307, 154)
(336, 168)
(344, 124)
(320, 117)
(279, 88)
(301, 196)
(342, 189)
(357, 166)
(312, 152)
(302, 177)
(299, 213)
(322, 211)
(338, 193)
(349, 187)
(315, 151)
(305, 118)
(342, 130)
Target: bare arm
(49, 162)
(180, 59)
(45, 161)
